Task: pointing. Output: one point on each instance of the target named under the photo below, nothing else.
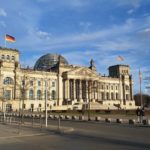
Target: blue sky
(80, 30)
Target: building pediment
(86, 72)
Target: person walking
(142, 114)
(138, 113)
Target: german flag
(10, 38)
(120, 58)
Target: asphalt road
(88, 136)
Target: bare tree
(145, 100)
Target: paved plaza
(74, 135)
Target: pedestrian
(142, 114)
(138, 113)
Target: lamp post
(140, 80)
(23, 97)
(46, 103)
(4, 109)
(90, 91)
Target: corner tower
(126, 84)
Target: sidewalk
(14, 130)
(10, 131)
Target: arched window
(13, 57)
(103, 96)
(3, 57)
(8, 80)
(112, 96)
(39, 95)
(53, 94)
(8, 57)
(107, 96)
(31, 94)
(117, 96)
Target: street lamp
(23, 97)
(90, 91)
(4, 109)
(46, 104)
(92, 88)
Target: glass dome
(48, 61)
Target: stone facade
(62, 86)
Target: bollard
(74, 117)
(67, 117)
(131, 121)
(51, 116)
(56, 117)
(118, 120)
(97, 118)
(61, 117)
(148, 121)
(81, 117)
(108, 120)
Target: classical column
(104, 91)
(74, 89)
(80, 89)
(68, 89)
(90, 90)
(86, 83)
(98, 90)
(64, 91)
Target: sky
(81, 30)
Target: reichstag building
(55, 83)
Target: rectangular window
(39, 83)
(53, 84)
(31, 83)
(7, 94)
(107, 87)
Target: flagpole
(5, 40)
(140, 78)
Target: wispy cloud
(133, 3)
(3, 12)
(85, 25)
(131, 11)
